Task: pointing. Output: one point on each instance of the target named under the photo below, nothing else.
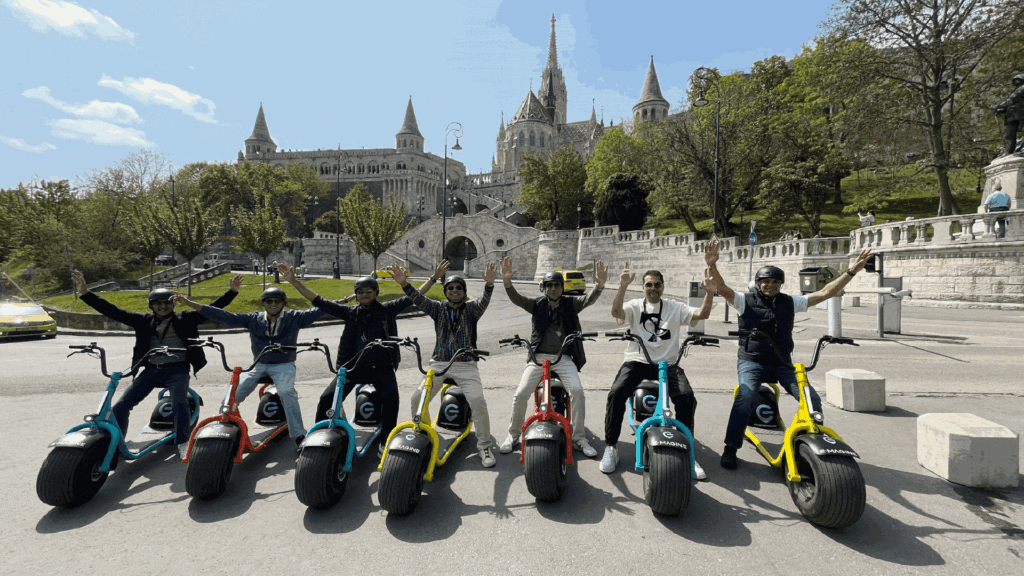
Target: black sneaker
(298, 443)
(729, 458)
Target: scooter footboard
(667, 436)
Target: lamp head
(701, 101)
(456, 147)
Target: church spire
(652, 105)
(652, 89)
(552, 51)
(259, 142)
(409, 125)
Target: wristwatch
(852, 274)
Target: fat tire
(69, 477)
(320, 480)
(401, 481)
(831, 492)
(209, 467)
(667, 480)
(545, 469)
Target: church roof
(530, 109)
(652, 89)
(259, 130)
(409, 126)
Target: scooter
(823, 478)
(664, 446)
(546, 447)
(413, 449)
(327, 452)
(81, 459)
(219, 442)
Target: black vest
(773, 317)
(369, 322)
(570, 324)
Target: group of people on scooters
(659, 321)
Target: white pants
(467, 377)
(570, 378)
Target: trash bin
(814, 279)
(891, 307)
(696, 299)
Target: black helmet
(453, 279)
(366, 282)
(273, 292)
(160, 295)
(770, 272)
(553, 277)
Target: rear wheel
(401, 481)
(667, 480)
(320, 478)
(831, 491)
(70, 477)
(209, 467)
(545, 468)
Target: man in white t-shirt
(660, 323)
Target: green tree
(552, 189)
(372, 227)
(144, 234)
(922, 48)
(227, 186)
(259, 230)
(623, 202)
(189, 226)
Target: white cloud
(21, 145)
(113, 111)
(99, 132)
(69, 19)
(150, 91)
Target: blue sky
(85, 83)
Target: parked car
(385, 273)
(575, 282)
(24, 319)
(166, 261)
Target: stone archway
(460, 249)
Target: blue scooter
(81, 459)
(664, 445)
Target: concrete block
(968, 450)
(855, 390)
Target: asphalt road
(478, 521)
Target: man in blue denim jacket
(274, 325)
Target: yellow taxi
(24, 319)
(575, 282)
(385, 272)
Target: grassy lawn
(248, 298)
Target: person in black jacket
(767, 310)
(554, 317)
(365, 322)
(161, 327)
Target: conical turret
(259, 142)
(409, 136)
(651, 106)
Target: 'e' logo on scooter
(270, 409)
(650, 403)
(366, 409)
(765, 413)
(451, 412)
(165, 409)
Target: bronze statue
(1013, 108)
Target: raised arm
(712, 273)
(624, 280)
(704, 312)
(180, 298)
(437, 276)
(600, 276)
(288, 275)
(839, 283)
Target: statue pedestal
(1009, 170)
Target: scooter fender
(549, 430)
(218, 430)
(823, 445)
(82, 439)
(667, 436)
(325, 438)
(410, 442)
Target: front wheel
(667, 480)
(70, 477)
(209, 467)
(831, 491)
(320, 477)
(545, 469)
(401, 481)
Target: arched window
(533, 138)
(522, 138)
(541, 139)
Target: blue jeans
(752, 375)
(175, 378)
(284, 381)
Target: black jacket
(773, 317)
(185, 324)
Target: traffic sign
(753, 238)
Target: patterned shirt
(454, 328)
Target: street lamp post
(337, 222)
(407, 255)
(579, 215)
(444, 182)
(704, 76)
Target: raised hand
(711, 253)
(489, 273)
(398, 273)
(442, 269)
(625, 279)
(506, 268)
(710, 284)
(600, 273)
(236, 282)
(862, 260)
(287, 274)
(80, 284)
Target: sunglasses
(273, 301)
(454, 287)
(549, 285)
(162, 303)
(652, 285)
(364, 292)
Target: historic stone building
(406, 172)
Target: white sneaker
(698, 472)
(183, 450)
(487, 458)
(508, 445)
(610, 459)
(583, 446)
